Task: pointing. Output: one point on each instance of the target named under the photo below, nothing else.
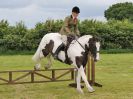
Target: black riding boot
(61, 47)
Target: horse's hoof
(80, 91)
(37, 67)
(91, 90)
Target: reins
(80, 44)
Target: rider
(69, 29)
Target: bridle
(83, 46)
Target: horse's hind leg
(49, 64)
(38, 64)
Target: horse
(77, 53)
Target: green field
(113, 71)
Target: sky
(33, 11)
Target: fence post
(10, 77)
(72, 74)
(53, 75)
(32, 76)
(92, 70)
(89, 65)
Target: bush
(113, 34)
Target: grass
(113, 71)
(31, 52)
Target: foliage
(114, 34)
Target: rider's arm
(77, 30)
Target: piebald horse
(77, 53)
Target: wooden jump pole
(91, 71)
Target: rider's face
(75, 14)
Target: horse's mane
(84, 37)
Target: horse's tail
(36, 56)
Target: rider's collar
(72, 17)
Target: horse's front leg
(49, 64)
(82, 73)
(78, 82)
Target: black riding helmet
(76, 9)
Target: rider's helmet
(76, 9)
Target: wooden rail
(32, 73)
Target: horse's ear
(90, 41)
(96, 38)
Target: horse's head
(94, 47)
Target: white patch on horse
(61, 56)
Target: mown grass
(113, 71)
(31, 52)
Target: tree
(3, 28)
(120, 11)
